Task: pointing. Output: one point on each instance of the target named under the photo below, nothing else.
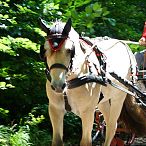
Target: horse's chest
(83, 98)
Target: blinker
(56, 43)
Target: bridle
(56, 41)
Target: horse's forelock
(57, 28)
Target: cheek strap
(42, 53)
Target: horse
(78, 73)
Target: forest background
(24, 117)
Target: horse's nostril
(52, 87)
(64, 85)
(58, 88)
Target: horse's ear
(67, 27)
(44, 26)
(42, 53)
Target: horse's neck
(84, 59)
(75, 73)
(84, 65)
(79, 67)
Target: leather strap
(58, 65)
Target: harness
(56, 43)
(90, 77)
(100, 56)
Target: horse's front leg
(56, 117)
(87, 126)
(56, 113)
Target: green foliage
(21, 137)
(5, 133)
(36, 116)
(85, 14)
(10, 137)
(4, 115)
(40, 137)
(72, 129)
(24, 136)
(136, 48)
(29, 131)
(129, 16)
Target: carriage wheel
(99, 129)
(98, 134)
(130, 140)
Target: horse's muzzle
(58, 89)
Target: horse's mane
(57, 27)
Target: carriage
(92, 76)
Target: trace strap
(129, 85)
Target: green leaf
(90, 24)
(112, 21)
(105, 11)
(74, 14)
(88, 9)
(3, 85)
(96, 6)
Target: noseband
(59, 65)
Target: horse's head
(57, 52)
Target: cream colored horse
(69, 58)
